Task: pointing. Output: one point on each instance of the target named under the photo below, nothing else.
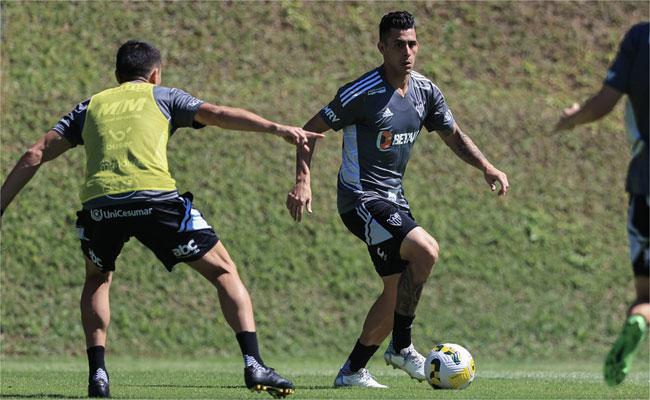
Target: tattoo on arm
(464, 147)
(408, 293)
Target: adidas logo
(387, 113)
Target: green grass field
(222, 379)
(542, 275)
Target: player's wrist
(303, 179)
(486, 167)
(275, 129)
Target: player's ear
(381, 46)
(117, 76)
(155, 77)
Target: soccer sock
(96, 362)
(249, 348)
(402, 331)
(359, 357)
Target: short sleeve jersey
(629, 74)
(380, 128)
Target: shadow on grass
(318, 387)
(168, 385)
(39, 396)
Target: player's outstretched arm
(596, 107)
(299, 198)
(48, 147)
(465, 148)
(244, 120)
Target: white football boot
(361, 378)
(408, 360)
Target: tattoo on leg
(408, 293)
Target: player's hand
(299, 200)
(565, 120)
(297, 136)
(494, 176)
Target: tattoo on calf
(408, 293)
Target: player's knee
(221, 273)
(428, 252)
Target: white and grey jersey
(379, 130)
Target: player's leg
(383, 226)
(620, 357)
(95, 318)
(101, 242)
(635, 329)
(379, 321)
(376, 327)
(641, 305)
(420, 250)
(640, 254)
(219, 269)
(177, 232)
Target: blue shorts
(172, 229)
(383, 226)
(637, 232)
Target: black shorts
(172, 229)
(637, 232)
(382, 226)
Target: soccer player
(381, 114)
(628, 75)
(128, 191)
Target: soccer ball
(449, 366)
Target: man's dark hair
(136, 59)
(401, 20)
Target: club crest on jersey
(419, 107)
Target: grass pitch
(222, 378)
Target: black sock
(360, 356)
(249, 347)
(402, 331)
(96, 360)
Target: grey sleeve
(340, 113)
(178, 107)
(71, 124)
(439, 116)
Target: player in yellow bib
(129, 192)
